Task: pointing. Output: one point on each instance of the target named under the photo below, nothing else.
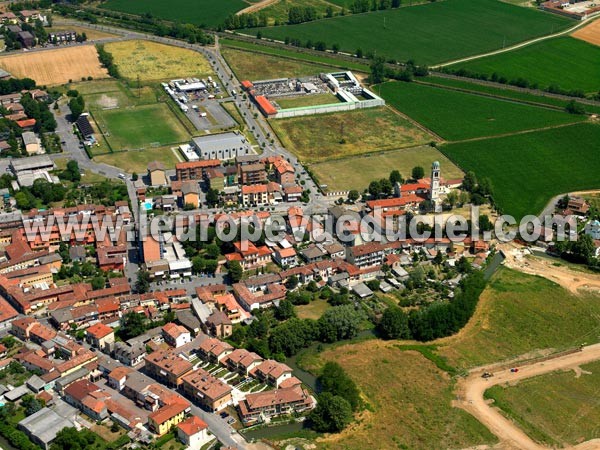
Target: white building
(221, 146)
(193, 433)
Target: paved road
(473, 387)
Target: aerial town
(257, 226)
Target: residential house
(190, 191)
(167, 367)
(193, 433)
(176, 335)
(285, 257)
(157, 174)
(206, 390)
(263, 406)
(242, 361)
(214, 350)
(100, 336)
(219, 325)
(272, 372)
(162, 420)
(254, 195)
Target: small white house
(593, 229)
(193, 433)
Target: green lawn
(528, 169)
(431, 33)
(557, 409)
(137, 161)
(458, 115)
(341, 174)
(324, 136)
(307, 100)
(565, 62)
(291, 53)
(518, 314)
(141, 127)
(313, 310)
(210, 13)
(505, 93)
(248, 65)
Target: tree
(31, 404)
(285, 310)
(142, 284)
(98, 283)
(394, 324)
(134, 176)
(574, 108)
(9, 341)
(71, 173)
(340, 322)
(377, 70)
(132, 324)
(374, 188)
(212, 197)
(395, 177)
(292, 282)
(71, 439)
(359, 53)
(334, 380)
(353, 195)
(235, 271)
(332, 414)
(76, 105)
(417, 173)
(469, 182)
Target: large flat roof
(220, 141)
(45, 424)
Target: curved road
(472, 388)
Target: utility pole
(138, 85)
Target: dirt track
(569, 279)
(256, 7)
(470, 391)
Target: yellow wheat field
(52, 67)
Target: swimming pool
(147, 205)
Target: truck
(203, 114)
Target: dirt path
(256, 7)
(470, 392)
(568, 278)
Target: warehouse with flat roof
(221, 146)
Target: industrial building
(221, 146)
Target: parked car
(224, 414)
(514, 370)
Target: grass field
(278, 11)
(318, 138)
(518, 314)
(253, 66)
(137, 161)
(544, 63)
(505, 93)
(307, 100)
(458, 115)
(313, 310)
(127, 129)
(110, 94)
(431, 33)
(210, 13)
(153, 62)
(341, 174)
(54, 67)
(528, 169)
(408, 402)
(557, 409)
(295, 55)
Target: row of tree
(107, 60)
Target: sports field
(457, 115)
(527, 170)
(151, 61)
(325, 136)
(432, 33)
(409, 402)
(504, 92)
(559, 409)
(112, 94)
(307, 100)
(565, 62)
(54, 67)
(210, 13)
(519, 313)
(342, 174)
(258, 66)
(141, 127)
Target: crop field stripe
(528, 169)
(457, 116)
(431, 33)
(564, 61)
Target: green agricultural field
(253, 66)
(141, 127)
(519, 313)
(527, 170)
(342, 174)
(294, 54)
(525, 97)
(278, 12)
(558, 409)
(210, 13)
(457, 115)
(307, 100)
(545, 63)
(324, 136)
(431, 33)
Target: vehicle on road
(224, 414)
(231, 420)
(514, 370)
(487, 375)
